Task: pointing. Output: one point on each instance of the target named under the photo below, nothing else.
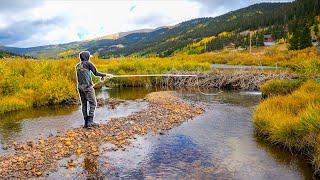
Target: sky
(28, 23)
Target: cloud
(132, 8)
(18, 5)
(151, 19)
(35, 25)
(22, 30)
(217, 7)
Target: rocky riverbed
(40, 158)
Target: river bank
(35, 158)
(291, 119)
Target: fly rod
(153, 75)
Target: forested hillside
(4, 55)
(198, 35)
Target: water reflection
(130, 93)
(178, 156)
(34, 122)
(298, 161)
(11, 123)
(165, 157)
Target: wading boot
(92, 124)
(85, 122)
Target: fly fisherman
(85, 87)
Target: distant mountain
(193, 36)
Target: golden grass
(33, 83)
(29, 83)
(276, 87)
(292, 120)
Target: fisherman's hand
(106, 76)
(109, 75)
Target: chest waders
(87, 95)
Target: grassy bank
(292, 120)
(35, 83)
(30, 83)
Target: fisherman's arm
(94, 70)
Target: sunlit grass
(29, 83)
(292, 120)
(279, 87)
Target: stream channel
(220, 144)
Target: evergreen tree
(301, 37)
(294, 41)
(305, 39)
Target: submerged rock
(110, 102)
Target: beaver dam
(147, 134)
(232, 80)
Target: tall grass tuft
(276, 87)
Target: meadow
(31, 83)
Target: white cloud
(90, 19)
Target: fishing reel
(108, 76)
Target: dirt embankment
(38, 158)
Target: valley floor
(289, 116)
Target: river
(220, 144)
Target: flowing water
(220, 144)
